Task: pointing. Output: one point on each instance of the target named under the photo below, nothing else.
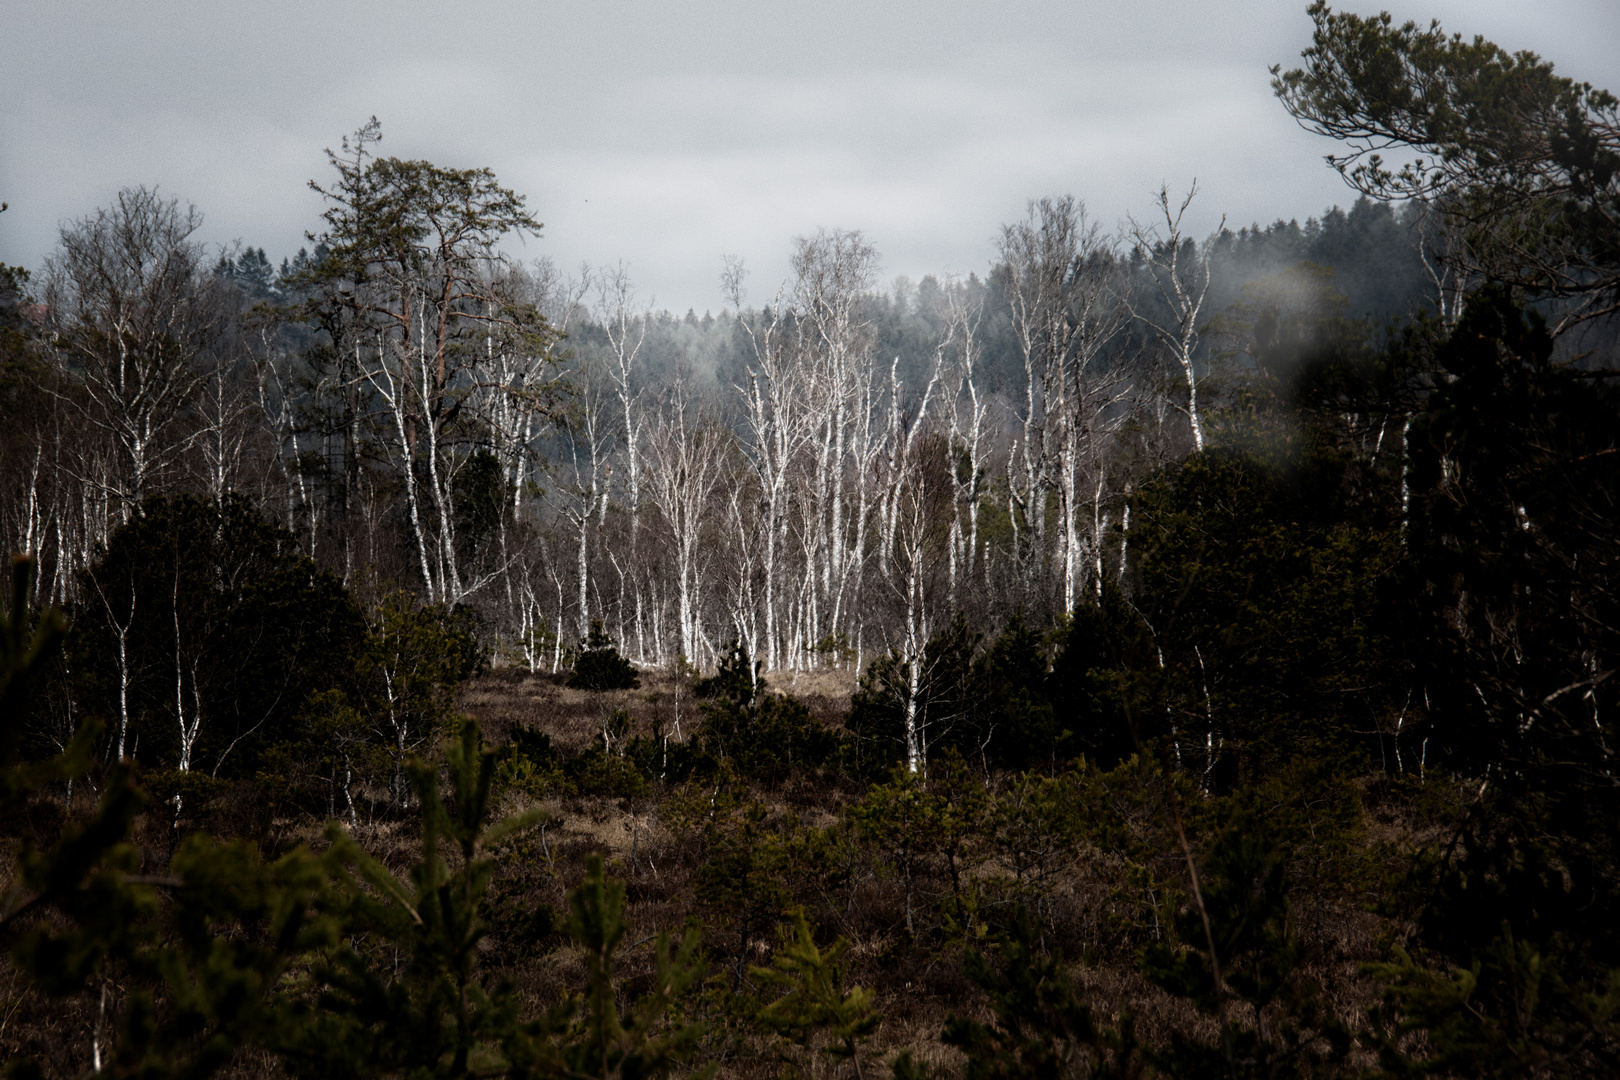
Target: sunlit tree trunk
(625, 323)
(1179, 269)
(392, 389)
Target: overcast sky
(669, 134)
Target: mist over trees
(824, 471)
(1151, 654)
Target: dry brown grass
(917, 984)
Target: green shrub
(598, 665)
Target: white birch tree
(686, 453)
(625, 319)
(134, 316)
(774, 420)
(1179, 275)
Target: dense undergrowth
(925, 903)
(741, 890)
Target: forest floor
(502, 697)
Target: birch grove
(823, 473)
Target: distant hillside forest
(1158, 655)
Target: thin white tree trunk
(393, 396)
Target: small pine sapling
(814, 1004)
(649, 1035)
(1040, 1025)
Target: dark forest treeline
(1159, 656)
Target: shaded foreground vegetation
(812, 921)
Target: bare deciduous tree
(134, 315)
(625, 319)
(686, 453)
(1063, 294)
(1179, 269)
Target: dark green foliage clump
(735, 677)
(399, 699)
(1017, 720)
(598, 665)
(942, 698)
(1256, 964)
(482, 500)
(1514, 1011)
(814, 1002)
(1266, 609)
(618, 765)
(224, 597)
(1101, 681)
(991, 705)
(529, 763)
(1041, 1024)
(759, 734)
(1014, 704)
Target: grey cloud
(696, 129)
